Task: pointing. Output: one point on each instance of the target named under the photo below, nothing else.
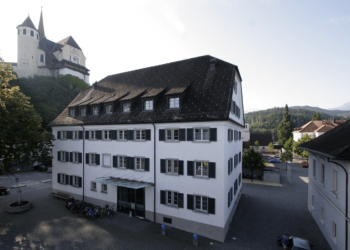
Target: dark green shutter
(181, 167)
(211, 205)
(161, 134)
(190, 168)
(80, 135)
(67, 179)
(71, 156)
(229, 167)
(162, 196)
(181, 200)
(162, 165)
(228, 134)
(213, 134)
(148, 134)
(69, 134)
(86, 134)
(182, 134)
(212, 169)
(190, 201)
(80, 179)
(58, 155)
(67, 156)
(87, 158)
(113, 134)
(228, 199)
(190, 134)
(115, 161)
(99, 134)
(71, 180)
(58, 178)
(58, 134)
(130, 135)
(131, 163)
(80, 157)
(97, 159)
(146, 164)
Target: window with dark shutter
(80, 135)
(190, 201)
(71, 180)
(99, 134)
(181, 167)
(161, 134)
(240, 135)
(182, 134)
(71, 156)
(228, 134)
(131, 163)
(211, 206)
(213, 134)
(212, 170)
(130, 135)
(97, 159)
(228, 200)
(146, 164)
(181, 200)
(115, 161)
(69, 134)
(234, 107)
(229, 166)
(148, 134)
(79, 181)
(58, 178)
(190, 168)
(86, 134)
(162, 166)
(58, 155)
(67, 179)
(190, 134)
(162, 197)
(87, 158)
(58, 134)
(80, 155)
(67, 156)
(114, 135)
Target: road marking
(15, 186)
(43, 187)
(44, 181)
(304, 179)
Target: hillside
(326, 111)
(50, 96)
(267, 121)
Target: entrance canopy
(124, 183)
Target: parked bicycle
(107, 211)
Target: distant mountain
(345, 107)
(326, 111)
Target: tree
(22, 138)
(298, 151)
(270, 147)
(253, 160)
(288, 145)
(287, 156)
(316, 117)
(285, 128)
(256, 145)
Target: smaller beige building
(36, 55)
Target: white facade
(327, 198)
(246, 133)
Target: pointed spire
(41, 26)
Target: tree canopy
(285, 128)
(270, 146)
(253, 160)
(298, 151)
(22, 138)
(316, 117)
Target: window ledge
(94, 190)
(201, 141)
(172, 206)
(104, 192)
(200, 211)
(106, 166)
(122, 140)
(93, 165)
(172, 174)
(335, 194)
(139, 170)
(172, 141)
(201, 177)
(121, 168)
(147, 111)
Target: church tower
(27, 53)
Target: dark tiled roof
(205, 94)
(41, 26)
(28, 22)
(335, 143)
(264, 139)
(69, 40)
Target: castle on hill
(36, 55)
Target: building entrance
(131, 200)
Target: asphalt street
(263, 213)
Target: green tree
(21, 137)
(287, 156)
(316, 117)
(288, 145)
(256, 145)
(253, 160)
(270, 147)
(298, 151)
(285, 128)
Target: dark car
(274, 161)
(4, 190)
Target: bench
(62, 196)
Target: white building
(246, 133)
(163, 142)
(329, 157)
(36, 55)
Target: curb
(45, 181)
(15, 186)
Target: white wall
(237, 97)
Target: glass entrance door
(131, 200)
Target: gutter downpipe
(346, 202)
(154, 169)
(83, 160)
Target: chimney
(212, 63)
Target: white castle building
(163, 142)
(36, 55)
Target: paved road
(263, 213)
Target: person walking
(284, 241)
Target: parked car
(274, 161)
(4, 190)
(296, 243)
(277, 156)
(304, 164)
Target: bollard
(195, 240)
(163, 229)
(130, 213)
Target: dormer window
(174, 102)
(42, 58)
(24, 32)
(83, 111)
(95, 110)
(148, 105)
(109, 109)
(32, 33)
(126, 107)
(71, 112)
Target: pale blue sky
(288, 52)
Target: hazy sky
(294, 52)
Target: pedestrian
(284, 241)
